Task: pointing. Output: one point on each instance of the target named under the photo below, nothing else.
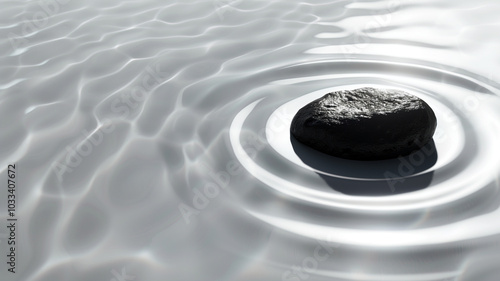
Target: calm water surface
(151, 141)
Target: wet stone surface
(365, 124)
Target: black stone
(365, 124)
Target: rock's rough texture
(365, 124)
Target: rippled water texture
(151, 141)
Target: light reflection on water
(152, 140)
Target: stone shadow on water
(372, 178)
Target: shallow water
(151, 141)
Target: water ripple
(121, 114)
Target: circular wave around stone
(457, 167)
